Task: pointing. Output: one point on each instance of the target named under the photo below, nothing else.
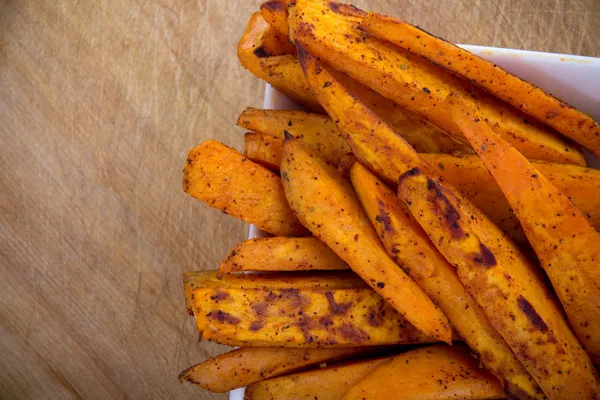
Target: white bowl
(573, 79)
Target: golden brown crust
(281, 254)
(266, 310)
(224, 179)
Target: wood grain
(99, 103)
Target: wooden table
(99, 103)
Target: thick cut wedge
(407, 243)
(281, 71)
(332, 314)
(429, 373)
(372, 141)
(287, 280)
(327, 205)
(224, 179)
(563, 238)
(329, 383)
(506, 286)
(415, 83)
(263, 149)
(246, 365)
(281, 254)
(316, 131)
(508, 87)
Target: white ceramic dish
(574, 79)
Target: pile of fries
(432, 221)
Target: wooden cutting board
(99, 103)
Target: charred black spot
(260, 52)
(273, 5)
(270, 297)
(532, 314)
(384, 217)
(337, 308)
(430, 184)
(353, 333)
(223, 317)
(442, 206)
(326, 320)
(326, 84)
(376, 317)
(304, 56)
(287, 135)
(256, 325)
(219, 295)
(260, 309)
(484, 257)
(305, 325)
(345, 9)
(293, 296)
(411, 172)
(380, 285)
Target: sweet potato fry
(326, 203)
(323, 384)
(514, 90)
(281, 71)
(563, 238)
(281, 254)
(505, 285)
(223, 178)
(417, 131)
(275, 13)
(246, 365)
(263, 149)
(407, 243)
(415, 83)
(316, 131)
(332, 315)
(434, 372)
(304, 280)
(275, 44)
(372, 141)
